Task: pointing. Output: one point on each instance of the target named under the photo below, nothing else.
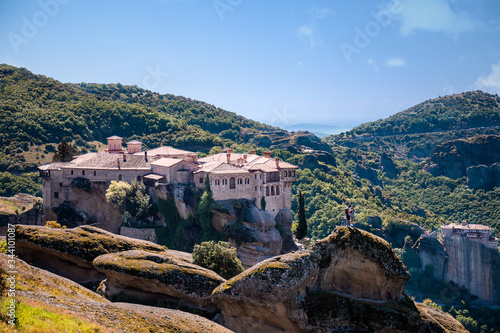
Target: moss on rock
(84, 242)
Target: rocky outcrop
(250, 230)
(151, 277)
(350, 280)
(54, 294)
(483, 177)
(292, 141)
(388, 166)
(474, 266)
(452, 158)
(70, 252)
(147, 234)
(367, 173)
(432, 252)
(19, 209)
(284, 221)
(311, 162)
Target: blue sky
(338, 63)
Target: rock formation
(311, 162)
(475, 266)
(483, 177)
(466, 263)
(367, 173)
(70, 252)
(452, 158)
(151, 277)
(388, 166)
(28, 214)
(250, 230)
(284, 221)
(432, 252)
(350, 280)
(40, 288)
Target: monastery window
(60, 184)
(217, 182)
(95, 173)
(267, 191)
(83, 172)
(201, 180)
(240, 181)
(119, 177)
(255, 188)
(247, 180)
(138, 178)
(72, 172)
(232, 183)
(224, 182)
(56, 195)
(272, 190)
(255, 176)
(277, 190)
(293, 173)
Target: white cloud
(373, 64)
(308, 32)
(434, 16)
(490, 82)
(395, 62)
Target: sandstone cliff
(474, 266)
(22, 204)
(465, 262)
(349, 281)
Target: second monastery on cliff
(231, 175)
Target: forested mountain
(414, 133)
(37, 110)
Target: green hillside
(37, 112)
(413, 133)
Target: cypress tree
(263, 203)
(65, 152)
(301, 212)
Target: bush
(54, 224)
(219, 257)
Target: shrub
(219, 257)
(54, 224)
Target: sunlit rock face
(349, 280)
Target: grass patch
(37, 317)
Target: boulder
(284, 221)
(479, 177)
(54, 294)
(70, 252)
(147, 277)
(349, 280)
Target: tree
(207, 185)
(263, 203)
(302, 225)
(219, 257)
(65, 152)
(132, 199)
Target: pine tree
(65, 152)
(263, 203)
(301, 212)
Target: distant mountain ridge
(414, 132)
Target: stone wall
(148, 234)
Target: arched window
(95, 173)
(240, 181)
(277, 190)
(267, 191)
(272, 190)
(247, 180)
(232, 183)
(224, 181)
(119, 177)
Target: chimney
(267, 154)
(244, 158)
(228, 157)
(277, 160)
(146, 156)
(464, 223)
(253, 151)
(230, 150)
(118, 162)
